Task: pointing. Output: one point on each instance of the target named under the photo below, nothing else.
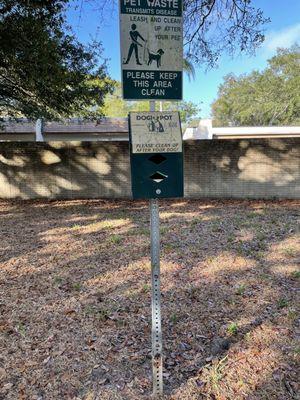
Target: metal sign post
(157, 364)
(151, 36)
(156, 157)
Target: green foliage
(174, 318)
(217, 373)
(100, 314)
(77, 286)
(232, 329)
(270, 97)
(58, 280)
(212, 27)
(189, 69)
(114, 106)
(296, 274)
(115, 239)
(282, 303)
(44, 70)
(241, 290)
(21, 329)
(292, 315)
(290, 251)
(216, 26)
(146, 288)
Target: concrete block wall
(266, 168)
(64, 170)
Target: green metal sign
(156, 155)
(151, 49)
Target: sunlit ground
(75, 300)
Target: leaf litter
(75, 300)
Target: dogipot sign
(156, 155)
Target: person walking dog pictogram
(135, 35)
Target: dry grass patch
(75, 300)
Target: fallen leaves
(75, 300)
(2, 374)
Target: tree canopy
(211, 27)
(270, 97)
(216, 26)
(44, 70)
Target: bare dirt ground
(75, 300)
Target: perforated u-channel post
(157, 367)
(157, 364)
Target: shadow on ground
(75, 300)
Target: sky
(282, 31)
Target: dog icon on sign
(156, 127)
(155, 57)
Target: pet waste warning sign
(151, 49)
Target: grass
(195, 222)
(230, 238)
(216, 226)
(115, 239)
(252, 214)
(77, 286)
(260, 236)
(21, 329)
(76, 226)
(253, 249)
(146, 288)
(174, 318)
(290, 252)
(214, 288)
(163, 230)
(248, 336)
(217, 374)
(100, 314)
(141, 231)
(192, 292)
(264, 276)
(58, 280)
(292, 315)
(169, 247)
(259, 255)
(282, 303)
(241, 290)
(232, 329)
(296, 274)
